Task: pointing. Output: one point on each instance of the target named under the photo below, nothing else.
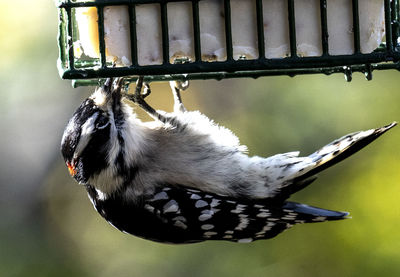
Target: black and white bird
(184, 179)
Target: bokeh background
(49, 228)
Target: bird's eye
(102, 122)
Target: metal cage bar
(385, 57)
(395, 22)
(62, 39)
(196, 30)
(388, 26)
(324, 27)
(292, 29)
(260, 29)
(164, 32)
(356, 27)
(228, 30)
(71, 56)
(102, 42)
(132, 33)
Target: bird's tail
(342, 148)
(328, 156)
(304, 170)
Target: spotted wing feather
(214, 217)
(175, 214)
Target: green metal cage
(86, 72)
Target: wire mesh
(386, 56)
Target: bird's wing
(205, 216)
(176, 214)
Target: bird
(182, 178)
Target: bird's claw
(142, 90)
(140, 95)
(182, 85)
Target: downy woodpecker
(182, 178)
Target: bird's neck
(132, 139)
(127, 145)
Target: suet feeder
(217, 39)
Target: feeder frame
(386, 56)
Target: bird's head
(90, 139)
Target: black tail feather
(310, 214)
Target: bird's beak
(71, 168)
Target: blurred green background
(49, 228)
